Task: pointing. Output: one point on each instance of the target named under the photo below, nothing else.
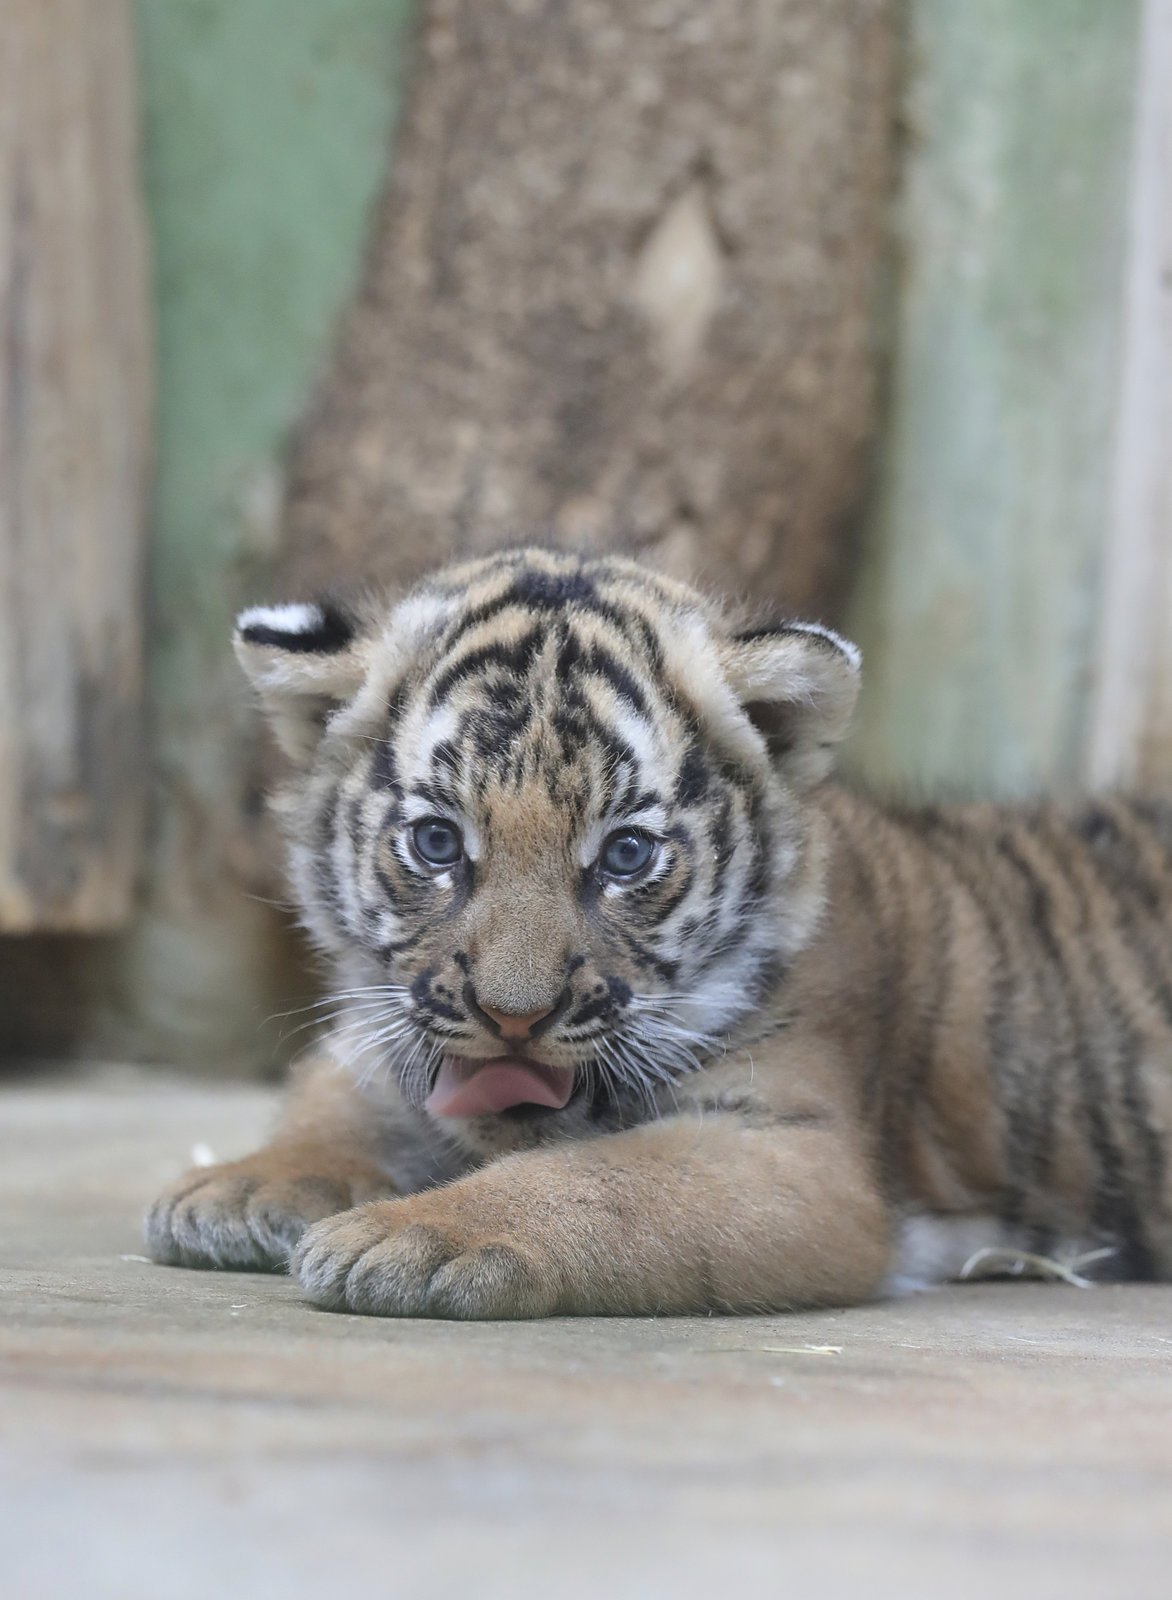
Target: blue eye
(625, 853)
(437, 842)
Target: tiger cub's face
(547, 815)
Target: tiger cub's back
(1014, 986)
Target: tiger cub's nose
(516, 1024)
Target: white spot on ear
(294, 620)
(851, 651)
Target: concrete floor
(167, 1434)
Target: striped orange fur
(635, 1010)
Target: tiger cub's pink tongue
(482, 1088)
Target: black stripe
(1126, 1062)
(437, 794)
(1113, 1208)
(492, 731)
(554, 597)
(920, 1055)
(333, 631)
(667, 971)
(618, 752)
(1028, 1126)
(514, 658)
(1120, 876)
(662, 909)
(398, 947)
(327, 882)
(693, 777)
(790, 629)
(1125, 879)
(603, 664)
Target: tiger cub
(635, 1012)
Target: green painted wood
(265, 135)
(977, 596)
(266, 124)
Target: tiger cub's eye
(437, 842)
(625, 853)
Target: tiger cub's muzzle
(525, 1074)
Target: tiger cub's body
(636, 1011)
(1015, 1041)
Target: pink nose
(515, 1024)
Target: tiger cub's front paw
(246, 1215)
(405, 1258)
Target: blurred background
(860, 306)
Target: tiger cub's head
(548, 814)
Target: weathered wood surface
(74, 426)
(1131, 726)
(197, 1434)
(619, 291)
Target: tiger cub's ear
(305, 661)
(797, 682)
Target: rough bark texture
(619, 292)
(74, 429)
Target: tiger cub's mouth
(485, 1088)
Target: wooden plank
(265, 131)
(977, 605)
(74, 426)
(1131, 726)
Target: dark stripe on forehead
(632, 625)
(603, 664)
(549, 598)
(577, 718)
(445, 761)
(514, 658)
(384, 769)
(440, 795)
(721, 835)
(692, 783)
(555, 590)
(492, 730)
(569, 652)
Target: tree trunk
(619, 293)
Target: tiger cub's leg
(250, 1214)
(690, 1214)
